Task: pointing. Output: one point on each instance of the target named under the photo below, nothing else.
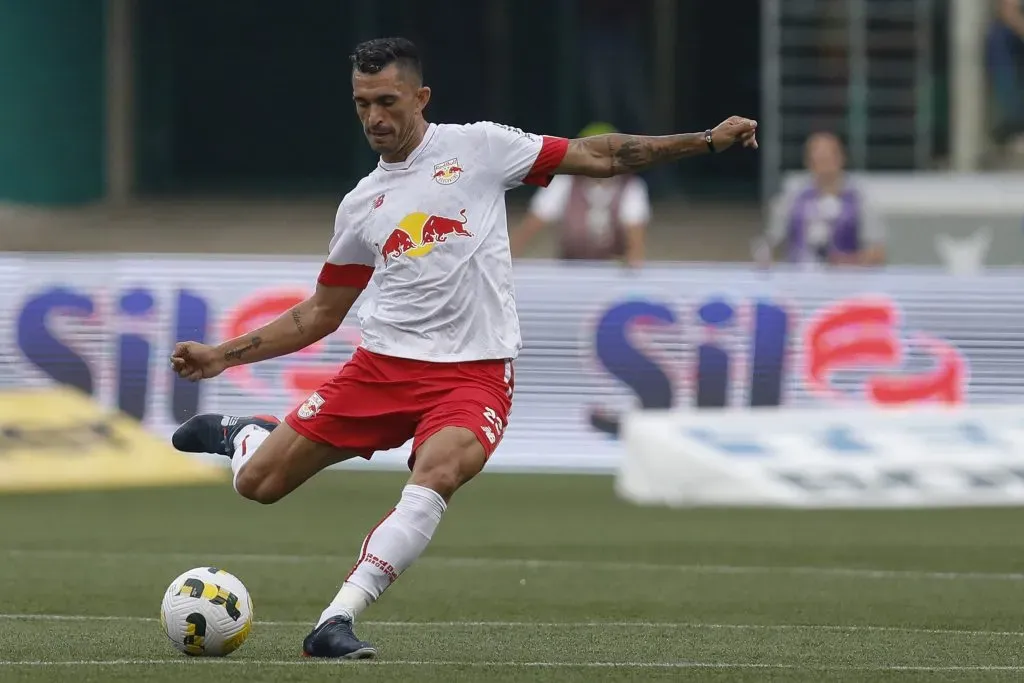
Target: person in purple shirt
(828, 220)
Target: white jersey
(432, 232)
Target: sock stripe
(366, 543)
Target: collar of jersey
(402, 165)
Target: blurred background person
(598, 218)
(1005, 57)
(828, 219)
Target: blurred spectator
(1005, 56)
(599, 218)
(828, 220)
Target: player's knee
(445, 479)
(259, 487)
(448, 461)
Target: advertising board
(598, 342)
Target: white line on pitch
(526, 563)
(510, 665)
(565, 625)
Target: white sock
(246, 442)
(388, 550)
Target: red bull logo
(417, 234)
(447, 172)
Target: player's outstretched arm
(603, 156)
(305, 324)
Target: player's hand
(734, 129)
(194, 361)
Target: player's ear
(422, 98)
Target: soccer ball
(206, 612)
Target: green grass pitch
(529, 578)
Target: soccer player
(438, 340)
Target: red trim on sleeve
(552, 151)
(352, 275)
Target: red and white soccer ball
(206, 612)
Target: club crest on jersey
(447, 172)
(310, 407)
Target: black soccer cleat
(212, 433)
(335, 639)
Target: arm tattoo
(603, 156)
(236, 354)
(297, 319)
(633, 153)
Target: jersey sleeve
(350, 262)
(523, 158)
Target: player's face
(389, 104)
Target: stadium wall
(52, 130)
(599, 342)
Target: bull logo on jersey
(447, 172)
(417, 234)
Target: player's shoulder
(483, 130)
(472, 133)
(366, 192)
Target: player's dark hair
(372, 56)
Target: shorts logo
(494, 431)
(489, 433)
(447, 172)
(311, 407)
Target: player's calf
(389, 549)
(444, 462)
(236, 437)
(263, 488)
(269, 460)
(284, 460)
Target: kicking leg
(269, 460)
(443, 463)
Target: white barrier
(926, 457)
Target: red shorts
(380, 402)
